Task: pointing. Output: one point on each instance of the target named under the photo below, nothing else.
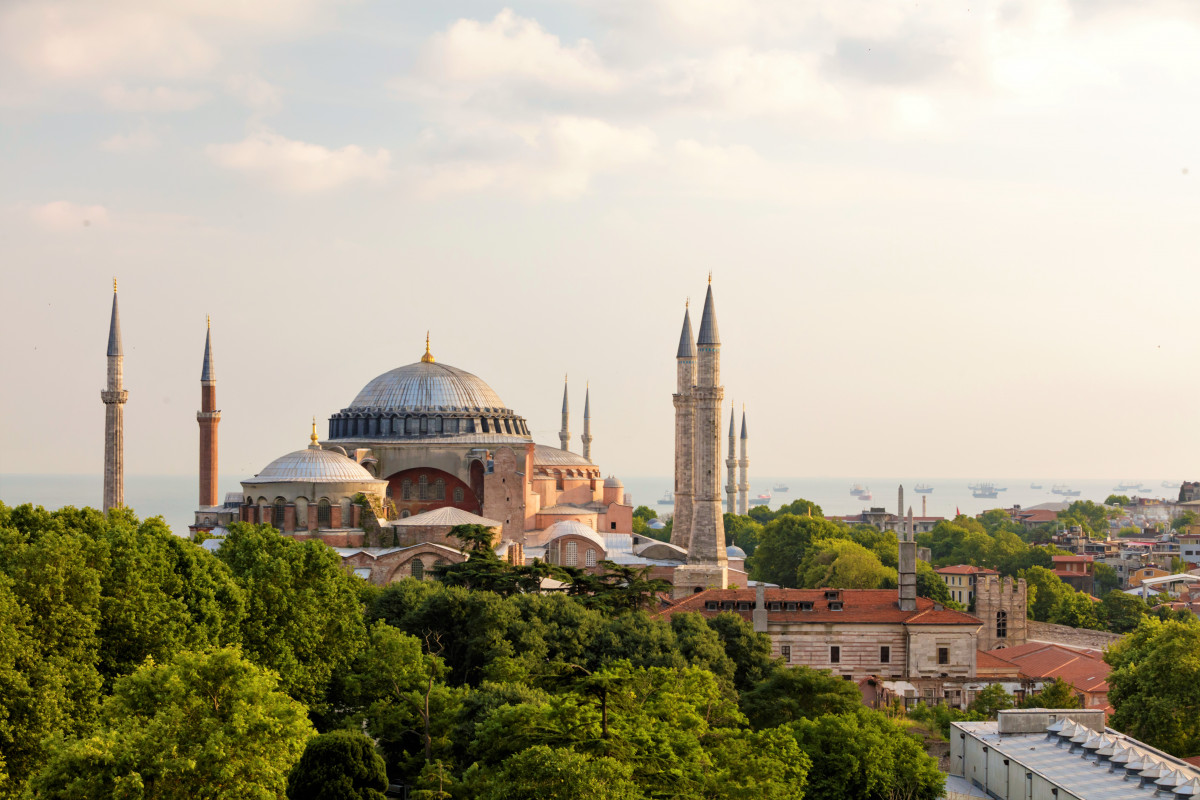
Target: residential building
(960, 580)
(1076, 571)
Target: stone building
(1001, 605)
(114, 397)
(961, 580)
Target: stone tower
(731, 466)
(907, 567)
(900, 504)
(587, 423)
(208, 417)
(564, 435)
(685, 370)
(114, 398)
(744, 473)
(707, 564)
(1000, 603)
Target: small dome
(733, 551)
(613, 482)
(570, 526)
(312, 465)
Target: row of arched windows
(423, 426)
(570, 555)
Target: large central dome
(425, 386)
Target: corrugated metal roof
(426, 385)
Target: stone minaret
(907, 572)
(900, 504)
(685, 415)
(564, 435)
(208, 418)
(114, 398)
(731, 466)
(587, 423)
(707, 564)
(744, 472)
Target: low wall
(1071, 637)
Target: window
(410, 425)
(423, 481)
(885, 654)
(451, 426)
(835, 606)
(785, 653)
(792, 606)
(943, 655)
(406, 490)
(590, 559)
(806, 605)
(439, 489)
(572, 557)
(277, 514)
(323, 516)
(558, 481)
(405, 514)
(458, 494)
(418, 568)
(1001, 624)
(835, 655)
(612, 526)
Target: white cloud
(511, 48)
(255, 93)
(157, 98)
(141, 138)
(63, 215)
(300, 166)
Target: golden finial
(114, 284)
(428, 357)
(687, 303)
(208, 320)
(313, 438)
(710, 277)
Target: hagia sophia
(427, 446)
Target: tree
(863, 755)
(1122, 612)
(1155, 685)
(931, 585)
(744, 532)
(990, 700)
(1106, 579)
(755, 765)
(303, 618)
(1117, 500)
(645, 513)
(1046, 592)
(1077, 610)
(842, 564)
(1055, 694)
(1185, 520)
(750, 651)
(546, 773)
(209, 726)
(783, 544)
(796, 693)
(1092, 517)
(340, 765)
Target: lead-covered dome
(312, 465)
(426, 386)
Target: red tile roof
(1085, 672)
(1071, 559)
(965, 569)
(858, 606)
(986, 661)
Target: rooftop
(867, 606)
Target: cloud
(300, 166)
(513, 49)
(63, 215)
(141, 138)
(158, 98)
(255, 93)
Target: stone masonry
(114, 398)
(208, 417)
(743, 507)
(685, 359)
(731, 467)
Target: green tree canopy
(206, 726)
(340, 765)
(783, 544)
(1154, 685)
(842, 564)
(541, 772)
(1046, 592)
(1055, 694)
(798, 692)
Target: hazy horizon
(955, 242)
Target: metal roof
(687, 345)
(708, 322)
(427, 385)
(545, 455)
(114, 328)
(448, 516)
(313, 465)
(207, 373)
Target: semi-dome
(427, 385)
(312, 465)
(571, 527)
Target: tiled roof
(867, 606)
(986, 661)
(1071, 559)
(965, 569)
(1038, 660)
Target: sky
(945, 239)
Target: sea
(174, 497)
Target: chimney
(907, 572)
(759, 615)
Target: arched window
(418, 568)
(424, 482)
(1001, 624)
(405, 514)
(410, 425)
(277, 514)
(406, 489)
(572, 557)
(439, 489)
(590, 559)
(558, 480)
(458, 494)
(435, 425)
(450, 426)
(324, 519)
(441, 562)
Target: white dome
(613, 482)
(733, 551)
(427, 385)
(570, 526)
(312, 465)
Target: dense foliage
(1154, 685)
(137, 664)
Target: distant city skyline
(944, 242)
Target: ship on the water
(857, 490)
(761, 500)
(865, 494)
(1065, 490)
(1125, 486)
(922, 488)
(985, 490)
(1169, 485)
(1035, 486)
(779, 487)
(668, 498)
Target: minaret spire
(587, 421)
(731, 465)
(685, 415)
(114, 397)
(208, 418)
(744, 471)
(564, 435)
